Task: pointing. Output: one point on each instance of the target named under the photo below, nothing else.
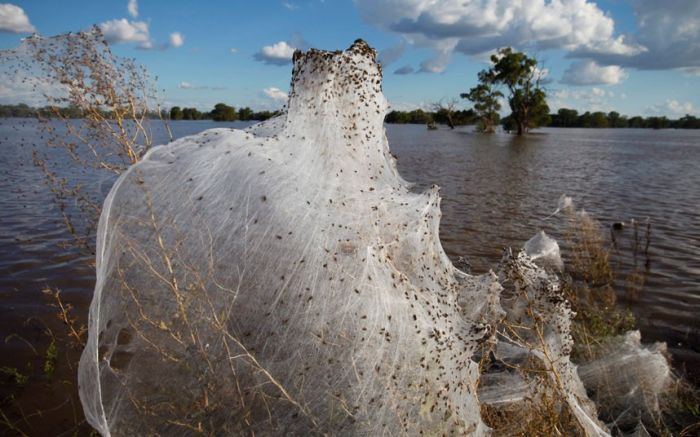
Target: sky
(637, 57)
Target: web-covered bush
(286, 280)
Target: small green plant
(50, 359)
(19, 378)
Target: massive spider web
(286, 280)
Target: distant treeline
(25, 111)
(221, 112)
(562, 118)
(418, 116)
(571, 118)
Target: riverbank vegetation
(564, 117)
(220, 112)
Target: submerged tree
(445, 110)
(486, 105)
(519, 74)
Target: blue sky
(633, 56)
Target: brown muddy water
(496, 192)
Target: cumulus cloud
(177, 39)
(133, 8)
(13, 19)
(477, 26)
(277, 54)
(673, 108)
(275, 94)
(669, 33)
(588, 72)
(184, 85)
(406, 69)
(591, 99)
(125, 31)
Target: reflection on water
(496, 190)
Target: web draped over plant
(286, 280)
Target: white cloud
(133, 8)
(276, 54)
(669, 31)
(184, 85)
(588, 72)
(233, 50)
(672, 108)
(276, 94)
(18, 86)
(13, 19)
(289, 5)
(680, 108)
(591, 99)
(124, 31)
(177, 39)
(477, 26)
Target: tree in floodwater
(520, 75)
(445, 110)
(486, 105)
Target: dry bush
(97, 120)
(96, 123)
(542, 415)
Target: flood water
(496, 190)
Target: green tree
(418, 116)
(585, 119)
(636, 122)
(567, 117)
(599, 120)
(176, 113)
(486, 105)
(615, 119)
(245, 114)
(688, 122)
(526, 98)
(223, 112)
(191, 114)
(657, 122)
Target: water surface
(496, 190)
